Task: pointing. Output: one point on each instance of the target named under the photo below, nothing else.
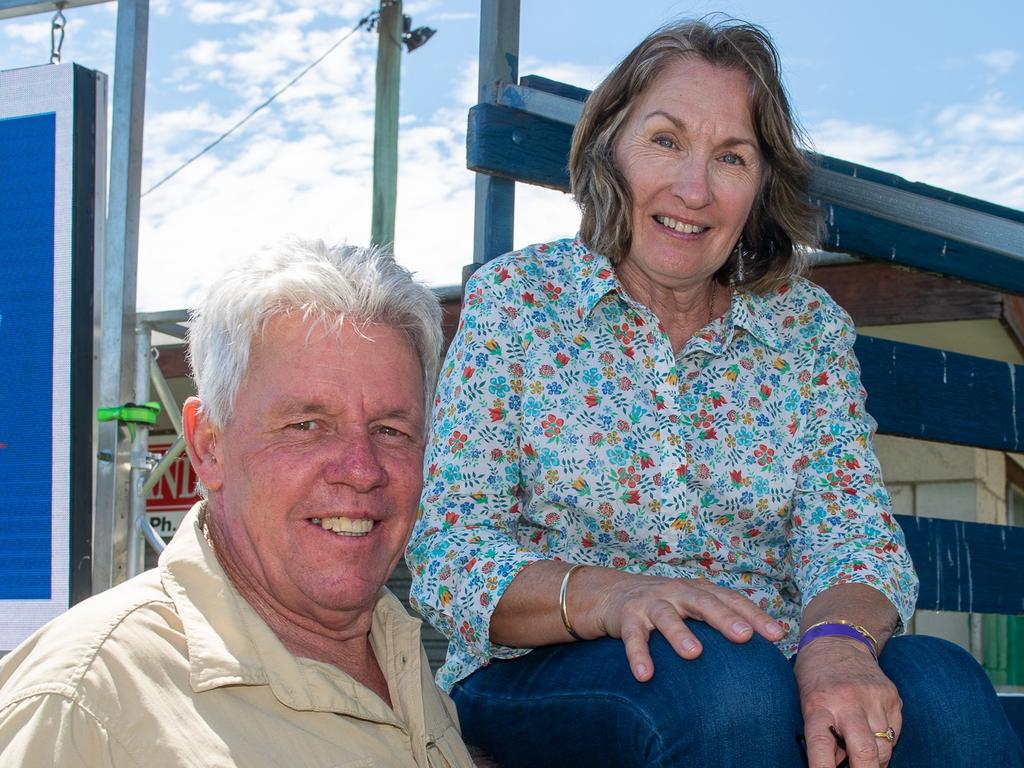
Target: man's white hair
(324, 285)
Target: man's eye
(303, 426)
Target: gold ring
(888, 734)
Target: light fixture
(414, 38)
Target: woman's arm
(606, 602)
(845, 697)
(850, 561)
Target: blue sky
(933, 92)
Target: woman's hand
(846, 699)
(634, 605)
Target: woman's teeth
(345, 526)
(679, 226)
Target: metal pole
(116, 358)
(163, 391)
(140, 457)
(499, 63)
(385, 123)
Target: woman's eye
(731, 158)
(665, 141)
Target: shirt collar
(595, 278)
(756, 315)
(594, 275)
(230, 644)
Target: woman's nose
(692, 184)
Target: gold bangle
(860, 630)
(562, 593)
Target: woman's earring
(741, 256)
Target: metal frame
(499, 64)
(116, 274)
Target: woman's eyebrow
(681, 126)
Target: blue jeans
(736, 705)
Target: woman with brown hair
(651, 440)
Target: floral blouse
(564, 427)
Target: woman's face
(690, 156)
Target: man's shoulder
(96, 645)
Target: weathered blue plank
(924, 190)
(966, 566)
(515, 145)
(930, 394)
(860, 233)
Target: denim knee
(746, 712)
(951, 714)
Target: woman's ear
(203, 447)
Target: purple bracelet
(826, 629)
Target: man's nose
(355, 462)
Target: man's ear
(201, 437)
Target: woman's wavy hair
(781, 220)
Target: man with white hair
(265, 637)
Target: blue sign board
(26, 347)
(49, 136)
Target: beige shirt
(174, 668)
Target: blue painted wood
(515, 145)
(966, 566)
(930, 394)
(924, 190)
(865, 235)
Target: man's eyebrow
(681, 126)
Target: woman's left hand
(847, 701)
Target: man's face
(320, 468)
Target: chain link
(57, 33)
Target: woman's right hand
(633, 605)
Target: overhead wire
(367, 20)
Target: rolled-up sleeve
(843, 530)
(463, 553)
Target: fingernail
(641, 670)
(741, 628)
(689, 645)
(774, 627)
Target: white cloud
(1001, 61)
(991, 120)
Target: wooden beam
(881, 294)
(385, 124)
(930, 394)
(173, 361)
(966, 566)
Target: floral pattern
(564, 427)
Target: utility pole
(385, 130)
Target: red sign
(176, 490)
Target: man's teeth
(679, 226)
(345, 526)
